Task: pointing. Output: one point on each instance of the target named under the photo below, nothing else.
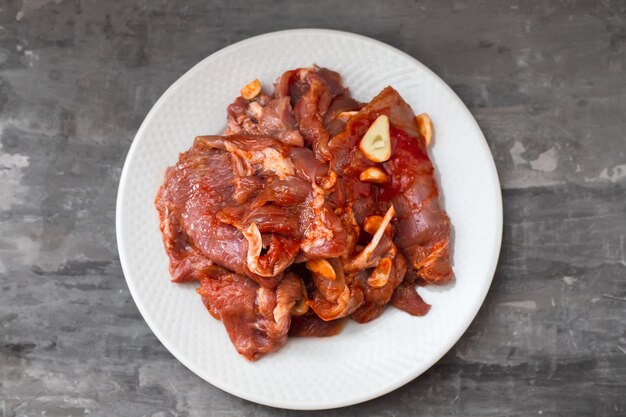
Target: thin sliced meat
(256, 318)
(246, 188)
(317, 97)
(310, 111)
(284, 85)
(287, 192)
(338, 298)
(226, 246)
(195, 191)
(423, 228)
(277, 120)
(406, 298)
(311, 325)
(307, 167)
(341, 104)
(268, 219)
(184, 258)
(331, 79)
(264, 116)
(236, 116)
(360, 196)
(377, 298)
(400, 114)
(188, 189)
(252, 155)
(189, 268)
(295, 83)
(325, 235)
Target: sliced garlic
(372, 224)
(251, 90)
(425, 127)
(322, 267)
(380, 274)
(376, 143)
(346, 115)
(375, 175)
(329, 181)
(362, 259)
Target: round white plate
(364, 361)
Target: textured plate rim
(476, 304)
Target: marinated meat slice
(406, 298)
(274, 219)
(310, 110)
(332, 80)
(335, 119)
(264, 116)
(298, 111)
(360, 196)
(256, 318)
(277, 119)
(311, 325)
(287, 192)
(178, 246)
(190, 268)
(226, 246)
(218, 206)
(252, 155)
(323, 233)
(317, 97)
(295, 83)
(280, 253)
(242, 115)
(377, 298)
(285, 85)
(186, 182)
(422, 228)
(268, 219)
(334, 299)
(194, 192)
(308, 167)
(246, 188)
(400, 114)
(236, 116)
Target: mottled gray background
(545, 80)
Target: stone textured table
(546, 82)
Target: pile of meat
(287, 224)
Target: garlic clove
(251, 90)
(322, 267)
(425, 127)
(376, 143)
(375, 175)
(380, 274)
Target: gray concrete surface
(545, 80)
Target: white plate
(364, 361)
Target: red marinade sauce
(406, 154)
